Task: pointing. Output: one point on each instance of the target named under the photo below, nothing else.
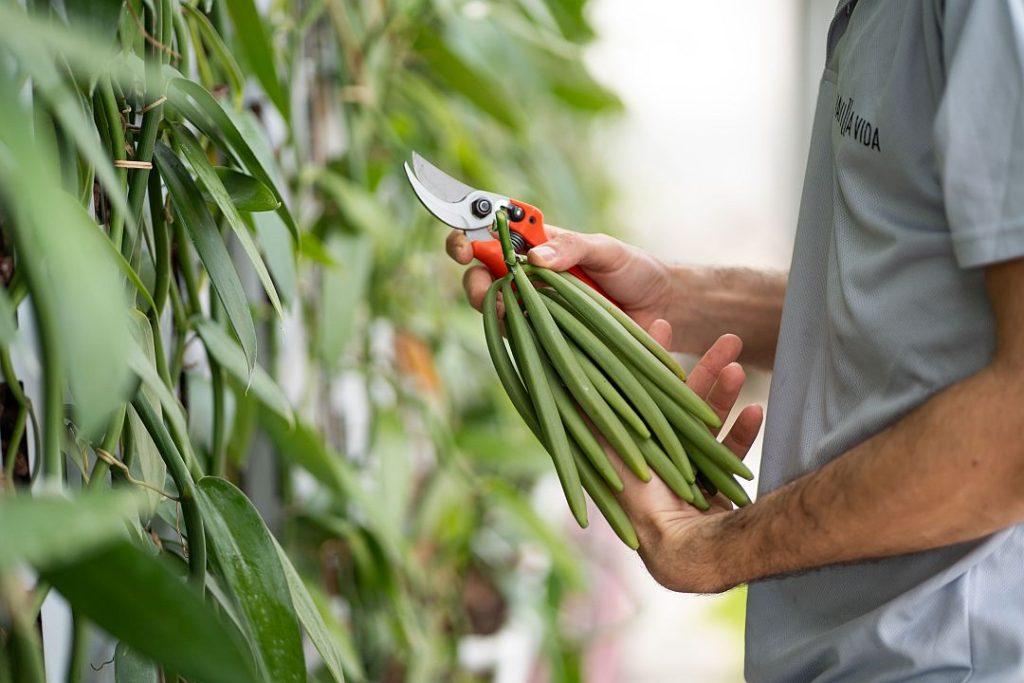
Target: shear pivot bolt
(481, 207)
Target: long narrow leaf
(226, 352)
(247, 193)
(140, 361)
(252, 34)
(131, 667)
(279, 250)
(146, 465)
(213, 40)
(137, 599)
(47, 530)
(302, 445)
(334, 646)
(462, 77)
(79, 127)
(247, 557)
(130, 273)
(197, 105)
(343, 289)
(211, 180)
(191, 210)
(51, 228)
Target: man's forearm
(709, 302)
(950, 471)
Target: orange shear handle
(531, 227)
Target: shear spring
(518, 242)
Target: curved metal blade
(444, 211)
(442, 185)
(450, 200)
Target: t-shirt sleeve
(979, 129)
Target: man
(883, 545)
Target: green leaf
(191, 210)
(343, 290)
(147, 465)
(227, 353)
(144, 368)
(66, 106)
(568, 15)
(251, 32)
(334, 645)
(247, 557)
(213, 40)
(254, 131)
(84, 50)
(277, 246)
(211, 180)
(247, 193)
(198, 106)
(102, 15)
(45, 530)
(363, 209)
(137, 599)
(90, 314)
(131, 667)
(460, 76)
(130, 273)
(51, 229)
(305, 447)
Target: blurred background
(706, 162)
(423, 518)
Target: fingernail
(543, 253)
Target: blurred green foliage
(221, 295)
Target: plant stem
(501, 217)
(162, 267)
(112, 115)
(11, 456)
(110, 439)
(186, 488)
(188, 273)
(161, 243)
(180, 328)
(181, 42)
(147, 139)
(10, 378)
(27, 650)
(79, 647)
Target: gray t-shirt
(915, 181)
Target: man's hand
(702, 303)
(640, 283)
(664, 522)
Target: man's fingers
(458, 247)
(566, 249)
(475, 281)
(726, 389)
(725, 350)
(661, 331)
(744, 430)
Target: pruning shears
(473, 211)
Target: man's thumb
(561, 252)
